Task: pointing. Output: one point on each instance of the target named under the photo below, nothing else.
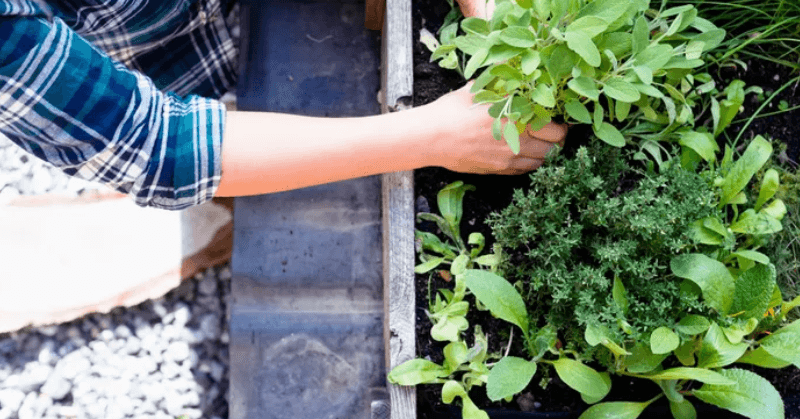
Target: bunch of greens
(665, 278)
(623, 67)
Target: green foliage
(626, 68)
(575, 233)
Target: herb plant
(626, 69)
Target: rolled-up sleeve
(68, 103)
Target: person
(123, 93)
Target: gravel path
(164, 358)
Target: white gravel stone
(11, 399)
(56, 386)
(123, 332)
(208, 286)
(34, 375)
(177, 351)
(73, 364)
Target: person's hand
(477, 8)
(465, 144)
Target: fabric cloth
(120, 91)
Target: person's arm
(268, 152)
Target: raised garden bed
(493, 193)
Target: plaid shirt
(110, 91)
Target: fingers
(552, 132)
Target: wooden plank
(374, 13)
(398, 212)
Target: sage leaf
(754, 289)
(499, 296)
(716, 351)
(560, 61)
(697, 374)
(543, 95)
(751, 396)
(769, 185)
(654, 56)
(648, 90)
(710, 275)
(508, 377)
(756, 154)
(621, 90)
(416, 371)
(641, 35)
(616, 410)
(590, 26)
(663, 341)
(581, 378)
(475, 25)
(530, 61)
(608, 10)
(511, 135)
(610, 135)
(506, 72)
(518, 36)
(577, 111)
(644, 73)
(784, 343)
(497, 129)
(470, 44)
(584, 47)
(682, 410)
(475, 62)
(585, 86)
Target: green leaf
(511, 135)
(581, 378)
(452, 389)
(739, 329)
(694, 50)
(506, 72)
(622, 109)
(585, 86)
(499, 296)
(621, 90)
(448, 329)
(416, 371)
(428, 265)
(475, 62)
(702, 143)
(777, 210)
(769, 185)
(497, 129)
(610, 135)
(577, 111)
(761, 358)
(717, 351)
(501, 53)
(450, 200)
(644, 74)
(597, 118)
(475, 25)
(615, 410)
(642, 359)
(455, 354)
(471, 44)
(685, 353)
(618, 292)
(584, 47)
(608, 10)
(754, 289)
(697, 374)
(693, 324)
(682, 410)
(508, 377)
(470, 411)
(784, 343)
(560, 62)
(486, 96)
(751, 222)
(648, 90)
(663, 340)
(530, 61)
(655, 56)
(710, 275)
(756, 154)
(641, 35)
(518, 36)
(751, 396)
(590, 26)
(543, 95)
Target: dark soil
(495, 192)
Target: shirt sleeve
(68, 103)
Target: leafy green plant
(598, 62)
(655, 275)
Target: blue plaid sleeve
(68, 103)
